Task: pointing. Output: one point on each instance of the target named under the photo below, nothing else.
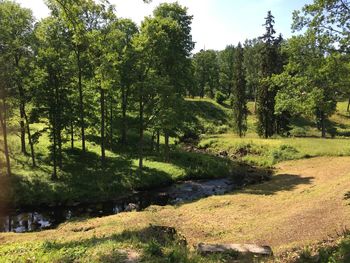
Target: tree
(79, 18)
(226, 64)
(206, 67)
(311, 80)
(53, 77)
(5, 90)
(329, 20)
(270, 64)
(16, 24)
(239, 102)
(103, 53)
(174, 66)
(252, 66)
(127, 64)
(163, 47)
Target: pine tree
(270, 64)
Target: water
(42, 218)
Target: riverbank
(301, 205)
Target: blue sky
(216, 23)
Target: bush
(154, 248)
(220, 97)
(298, 132)
(284, 153)
(332, 131)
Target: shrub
(283, 153)
(298, 132)
(154, 248)
(220, 97)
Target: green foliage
(283, 153)
(271, 63)
(238, 99)
(206, 73)
(220, 97)
(226, 62)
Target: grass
(302, 204)
(267, 152)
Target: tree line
(82, 68)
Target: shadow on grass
(156, 243)
(281, 182)
(207, 111)
(82, 179)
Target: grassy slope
(267, 152)
(83, 179)
(302, 204)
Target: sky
(216, 23)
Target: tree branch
(345, 5)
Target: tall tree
(164, 46)
(53, 76)
(252, 66)
(5, 91)
(239, 102)
(206, 68)
(79, 16)
(270, 64)
(328, 20)
(127, 65)
(16, 24)
(311, 80)
(226, 64)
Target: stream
(41, 218)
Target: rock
(240, 248)
(131, 207)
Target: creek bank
(40, 218)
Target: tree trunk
(323, 125)
(141, 131)
(81, 101)
(54, 146)
(32, 153)
(124, 119)
(59, 144)
(255, 99)
(348, 109)
(102, 103)
(202, 92)
(158, 141)
(21, 111)
(23, 131)
(152, 140)
(3, 117)
(111, 121)
(71, 134)
(166, 153)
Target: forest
(95, 108)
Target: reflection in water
(43, 218)
(25, 221)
